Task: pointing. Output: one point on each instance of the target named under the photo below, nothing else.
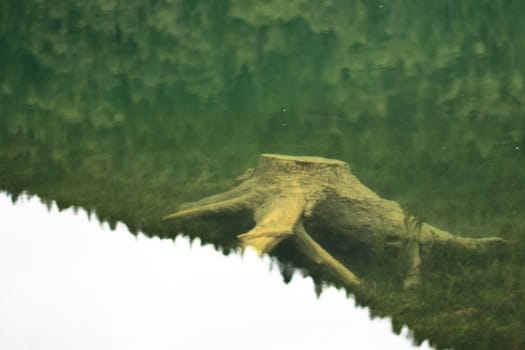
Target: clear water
(129, 110)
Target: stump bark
(284, 191)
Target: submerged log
(284, 191)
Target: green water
(131, 109)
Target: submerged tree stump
(284, 191)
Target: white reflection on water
(71, 283)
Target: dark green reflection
(130, 109)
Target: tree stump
(284, 191)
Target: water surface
(128, 110)
(69, 282)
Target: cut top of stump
(290, 165)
